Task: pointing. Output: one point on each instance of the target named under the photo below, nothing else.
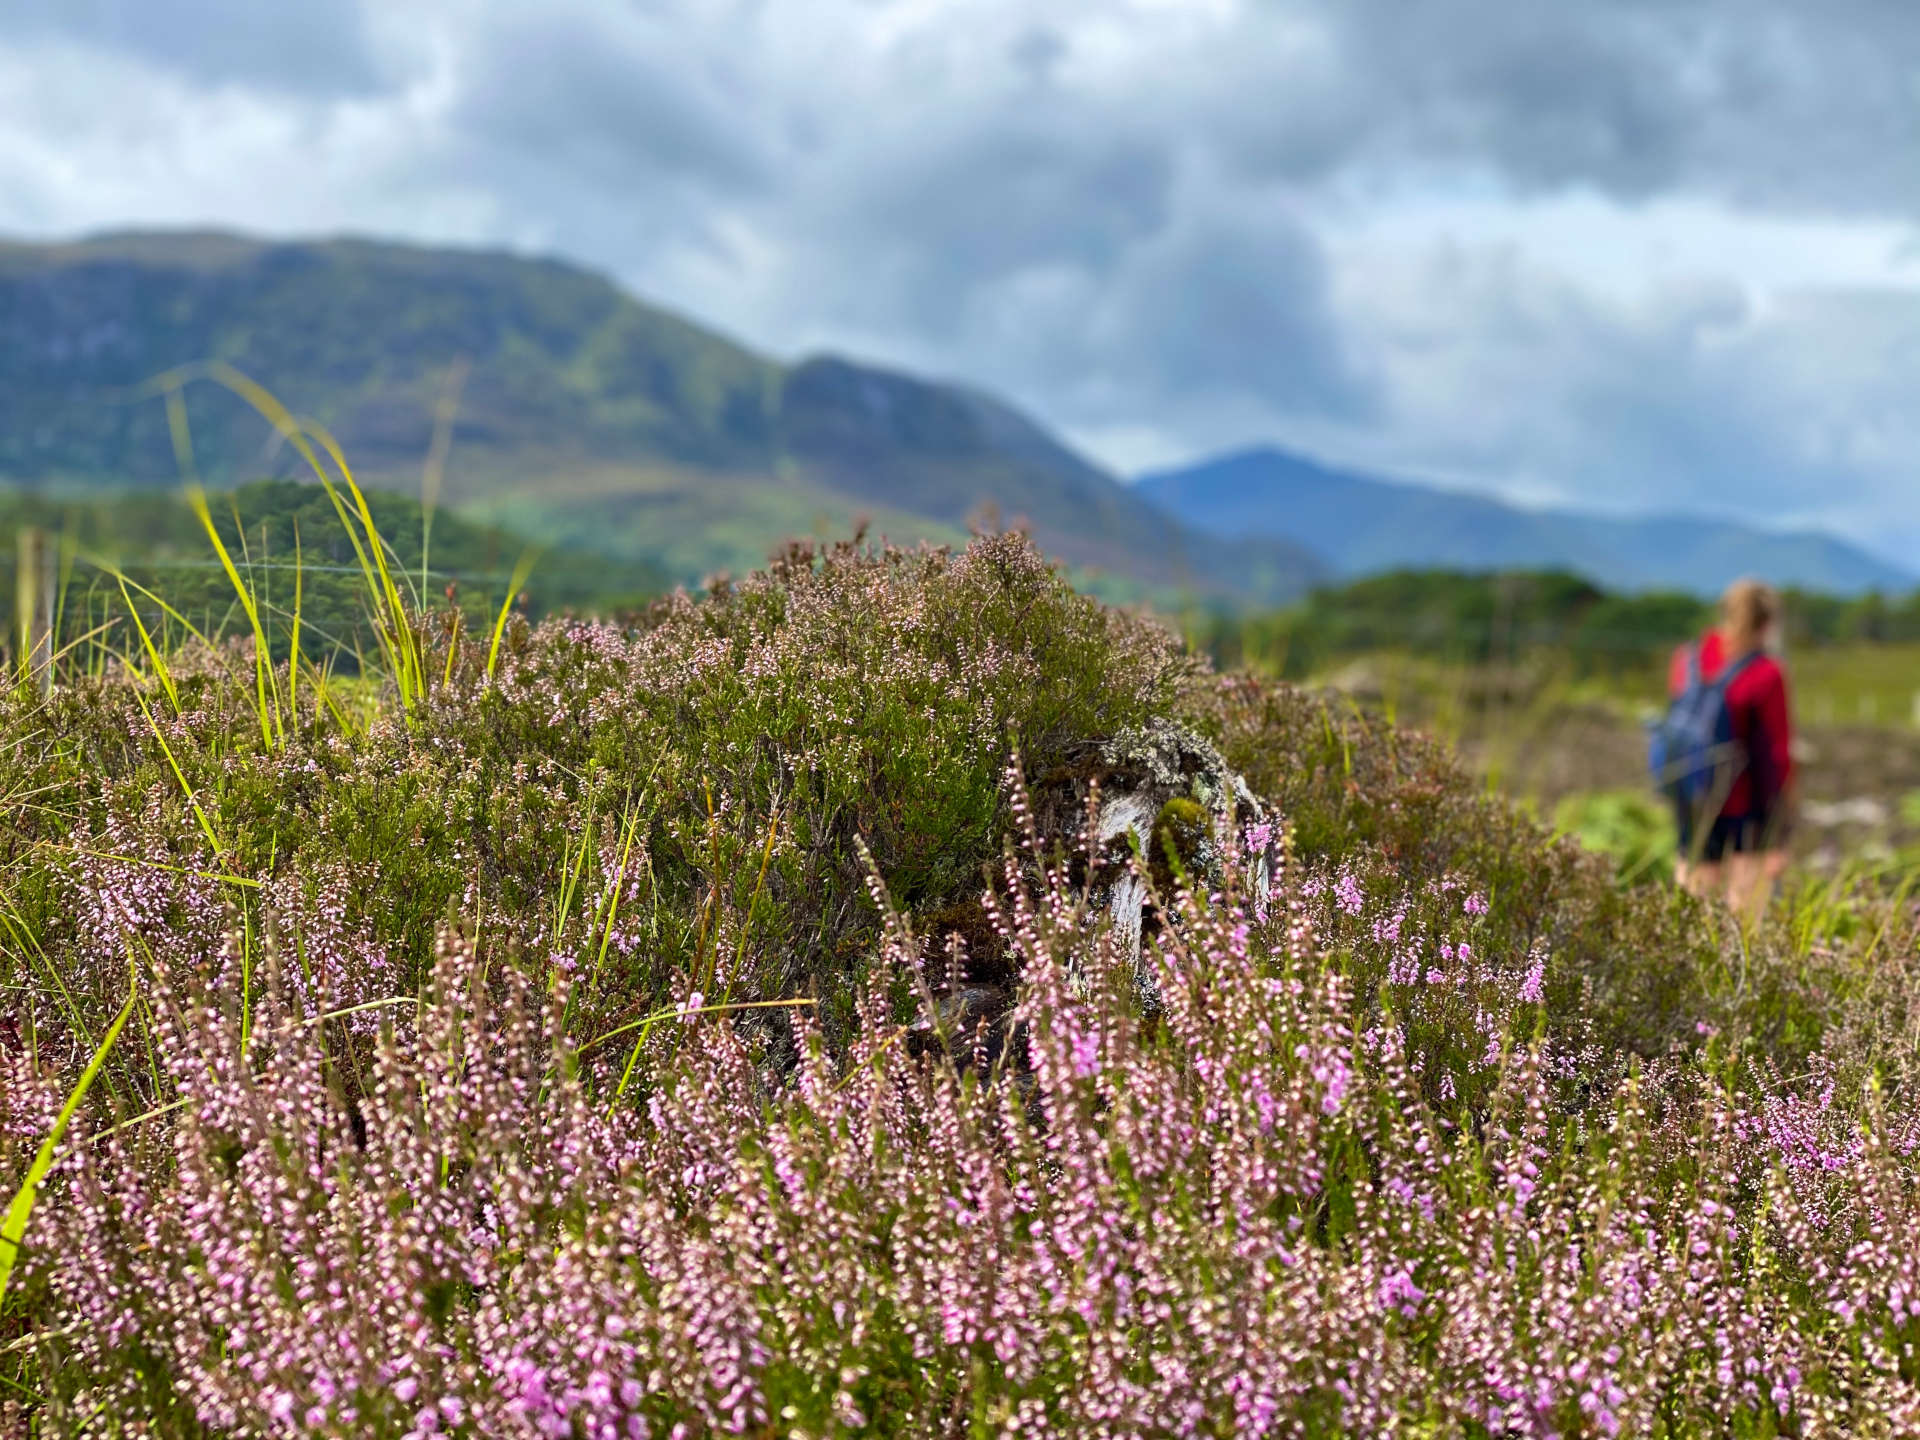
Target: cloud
(314, 47)
(1695, 399)
(1766, 103)
(591, 94)
(1628, 253)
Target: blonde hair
(1747, 612)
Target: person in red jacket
(1743, 849)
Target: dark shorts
(1728, 835)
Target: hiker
(1723, 755)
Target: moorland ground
(563, 1029)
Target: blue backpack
(1692, 751)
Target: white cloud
(1658, 251)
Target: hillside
(586, 416)
(1362, 524)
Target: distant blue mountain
(1362, 524)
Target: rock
(1158, 785)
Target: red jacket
(1757, 699)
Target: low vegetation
(1515, 617)
(275, 530)
(554, 1038)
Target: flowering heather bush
(439, 1116)
(719, 763)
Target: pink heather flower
(1348, 893)
(1476, 903)
(1398, 1292)
(1086, 1054)
(1532, 988)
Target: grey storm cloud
(1134, 216)
(1238, 306)
(1768, 102)
(315, 47)
(611, 96)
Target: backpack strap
(1732, 671)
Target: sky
(1627, 255)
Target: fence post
(33, 605)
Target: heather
(584, 1035)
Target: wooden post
(34, 606)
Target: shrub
(1244, 1217)
(567, 1054)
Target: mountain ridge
(1366, 524)
(585, 412)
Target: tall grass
(144, 637)
(390, 608)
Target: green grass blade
(522, 568)
(206, 825)
(154, 657)
(13, 1231)
(293, 652)
(266, 688)
(389, 614)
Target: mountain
(1362, 524)
(585, 417)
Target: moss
(1179, 830)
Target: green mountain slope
(585, 415)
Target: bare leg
(1750, 883)
(1708, 877)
